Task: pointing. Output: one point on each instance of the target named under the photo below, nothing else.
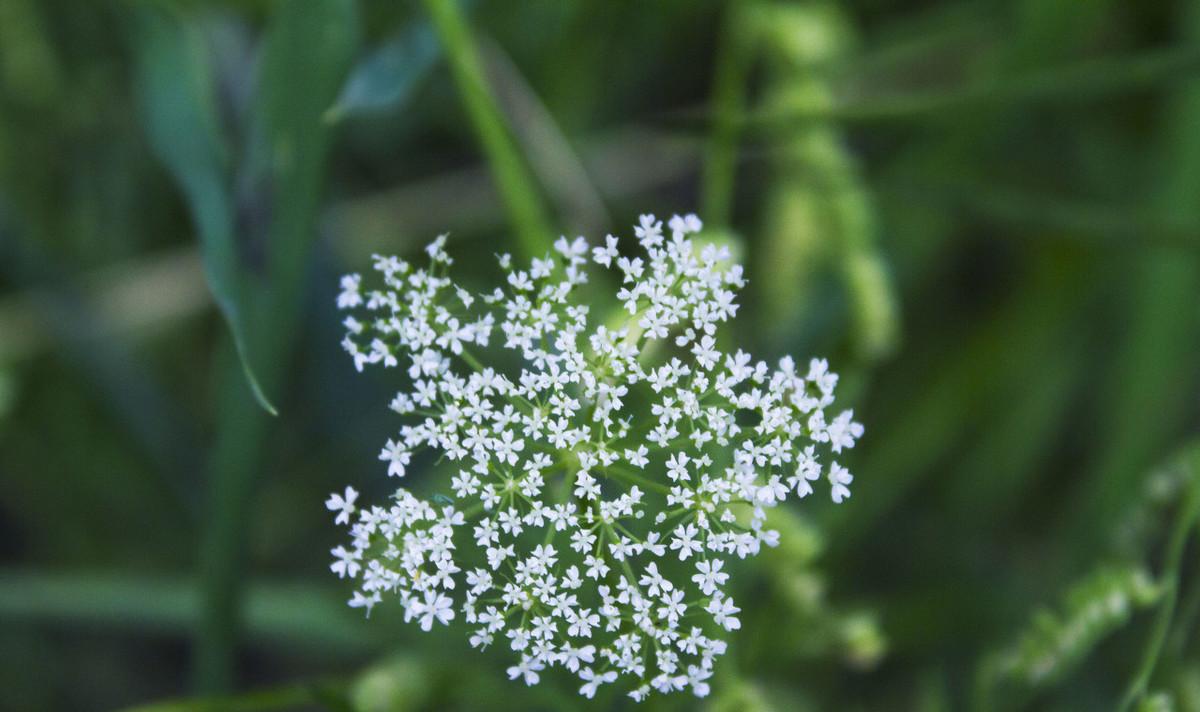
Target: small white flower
(605, 255)
(397, 458)
(349, 296)
(696, 678)
(343, 504)
(685, 224)
(840, 478)
(649, 231)
(808, 470)
(637, 458)
(361, 601)
(506, 448)
(684, 540)
(527, 669)
(724, 611)
(345, 562)
(706, 354)
(520, 281)
(710, 576)
(435, 607)
(677, 467)
(592, 681)
(843, 432)
(573, 657)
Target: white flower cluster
(606, 473)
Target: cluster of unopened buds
(607, 466)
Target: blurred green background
(986, 214)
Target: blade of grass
(1111, 226)
(513, 179)
(284, 697)
(313, 39)
(388, 75)
(386, 78)
(734, 58)
(1056, 642)
(625, 163)
(1081, 81)
(277, 613)
(551, 156)
(364, 225)
(178, 106)
(119, 295)
(960, 152)
(1076, 82)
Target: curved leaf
(178, 107)
(388, 74)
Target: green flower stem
(1173, 559)
(513, 179)
(624, 562)
(470, 359)
(636, 479)
(472, 511)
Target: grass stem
(513, 179)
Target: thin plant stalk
(513, 178)
(728, 100)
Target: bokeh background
(986, 213)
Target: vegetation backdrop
(985, 213)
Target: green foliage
(178, 103)
(388, 75)
(1054, 643)
(283, 169)
(988, 207)
(818, 213)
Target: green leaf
(306, 54)
(296, 616)
(387, 76)
(305, 59)
(178, 107)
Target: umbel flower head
(606, 471)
